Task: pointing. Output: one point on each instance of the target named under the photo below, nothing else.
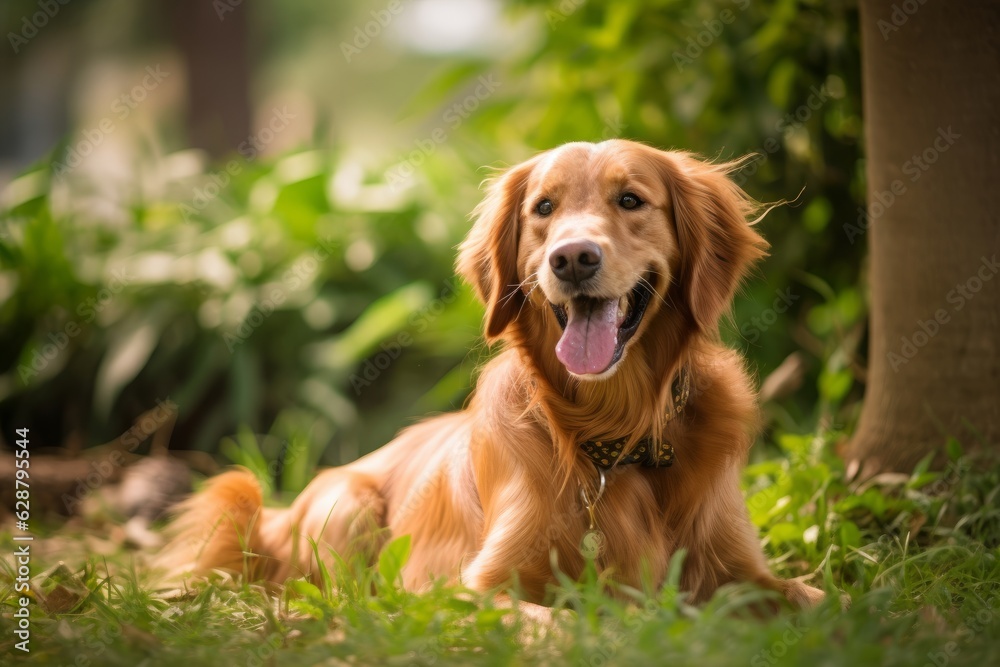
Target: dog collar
(609, 453)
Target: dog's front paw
(802, 595)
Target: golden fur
(489, 492)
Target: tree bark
(213, 38)
(931, 74)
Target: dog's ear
(487, 258)
(717, 243)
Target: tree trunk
(931, 75)
(213, 38)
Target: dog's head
(601, 239)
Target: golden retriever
(605, 269)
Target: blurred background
(228, 227)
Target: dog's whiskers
(517, 287)
(651, 289)
(527, 298)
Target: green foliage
(311, 299)
(391, 562)
(279, 311)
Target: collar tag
(593, 544)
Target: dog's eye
(629, 201)
(544, 207)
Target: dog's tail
(227, 527)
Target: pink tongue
(588, 343)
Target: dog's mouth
(595, 330)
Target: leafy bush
(275, 294)
(289, 302)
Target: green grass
(916, 555)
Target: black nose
(575, 260)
